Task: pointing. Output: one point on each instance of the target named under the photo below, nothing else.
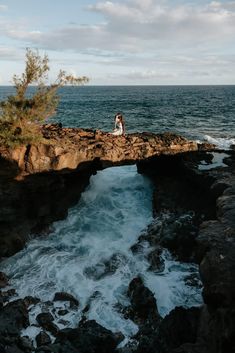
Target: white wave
(112, 211)
(220, 142)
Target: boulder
(13, 318)
(43, 339)
(3, 280)
(89, 337)
(178, 327)
(63, 296)
(143, 303)
(156, 261)
(45, 320)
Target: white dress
(118, 131)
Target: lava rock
(3, 280)
(89, 337)
(13, 318)
(5, 295)
(63, 296)
(31, 301)
(43, 339)
(25, 344)
(106, 267)
(62, 312)
(178, 327)
(45, 320)
(156, 261)
(143, 303)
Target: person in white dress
(119, 125)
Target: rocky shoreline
(37, 177)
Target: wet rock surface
(198, 225)
(39, 177)
(208, 239)
(143, 308)
(63, 296)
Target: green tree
(22, 113)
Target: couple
(119, 125)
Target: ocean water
(112, 212)
(196, 112)
(116, 207)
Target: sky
(122, 42)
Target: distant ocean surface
(196, 112)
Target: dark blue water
(201, 112)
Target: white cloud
(142, 40)
(3, 7)
(136, 26)
(10, 54)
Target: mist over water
(88, 254)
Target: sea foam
(112, 212)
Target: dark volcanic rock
(178, 327)
(63, 296)
(212, 246)
(25, 344)
(13, 318)
(143, 304)
(31, 301)
(6, 295)
(3, 280)
(45, 320)
(43, 339)
(35, 178)
(89, 337)
(174, 232)
(105, 267)
(62, 312)
(156, 261)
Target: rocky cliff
(38, 183)
(72, 148)
(208, 239)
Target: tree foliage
(22, 113)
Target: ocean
(116, 208)
(196, 112)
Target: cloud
(136, 26)
(10, 54)
(3, 7)
(140, 41)
(146, 75)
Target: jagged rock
(29, 300)
(143, 304)
(45, 320)
(62, 312)
(43, 339)
(6, 295)
(65, 148)
(156, 261)
(178, 327)
(89, 337)
(3, 280)
(25, 344)
(63, 296)
(213, 246)
(174, 232)
(13, 318)
(206, 146)
(106, 267)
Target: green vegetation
(22, 113)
